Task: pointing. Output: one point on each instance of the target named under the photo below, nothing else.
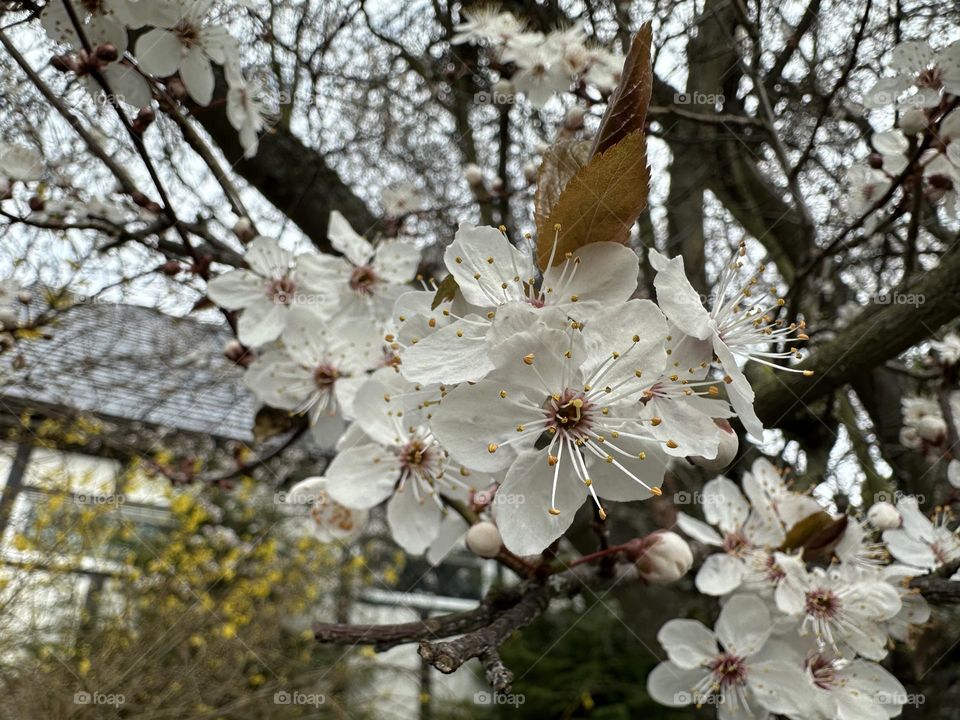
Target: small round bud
(107, 53)
(171, 268)
(25, 297)
(237, 353)
(244, 231)
(63, 63)
(875, 160)
(726, 451)
(484, 539)
(884, 516)
(176, 88)
(662, 557)
(36, 204)
(530, 172)
(473, 175)
(496, 184)
(574, 119)
(931, 428)
(145, 118)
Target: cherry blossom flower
(185, 40)
(737, 326)
(19, 162)
(399, 460)
(749, 531)
(401, 199)
(499, 282)
(318, 371)
(244, 111)
(920, 542)
(366, 281)
(845, 607)
(917, 67)
(736, 666)
(329, 520)
(948, 349)
(276, 281)
(487, 25)
(842, 690)
(555, 413)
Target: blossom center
(570, 414)
(822, 670)
(931, 77)
(822, 603)
(188, 33)
(324, 376)
(729, 669)
(363, 279)
(281, 290)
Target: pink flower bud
(473, 175)
(662, 557)
(931, 428)
(574, 119)
(884, 516)
(244, 231)
(484, 539)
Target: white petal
(611, 479)
(197, 76)
(698, 530)
(471, 417)
(453, 354)
(127, 84)
(779, 687)
(485, 252)
(453, 530)
(744, 625)
(607, 273)
(279, 381)
(891, 142)
(688, 643)
(720, 574)
(677, 297)
(396, 261)
(544, 360)
(525, 524)
(346, 240)
(613, 329)
(363, 476)
(724, 505)
(375, 409)
(261, 322)
(911, 56)
(159, 52)
(414, 523)
(739, 390)
(672, 686)
(237, 289)
(267, 258)
(19, 162)
(953, 473)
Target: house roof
(133, 363)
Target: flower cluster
(539, 65)
(175, 39)
(520, 394)
(924, 91)
(812, 603)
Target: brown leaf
(561, 162)
(601, 202)
(627, 110)
(446, 290)
(806, 530)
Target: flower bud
(36, 203)
(913, 121)
(237, 353)
(244, 231)
(931, 428)
(574, 119)
(63, 63)
(875, 160)
(884, 516)
(107, 53)
(484, 539)
(473, 175)
(25, 297)
(662, 557)
(726, 450)
(145, 118)
(171, 268)
(496, 184)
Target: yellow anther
(490, 260)
(492, 448)
(553, 511)
(672, 444)
(432, 322)
(636, 338)
(552, 460)
(503, 393)
(656, 491)
(574, 298)
(458, 259)
(520, 428)
(655, 421)
(528, 359)
(602, 513)
(588, 482)
(642, 455)
(386, 398)
(808, 373)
